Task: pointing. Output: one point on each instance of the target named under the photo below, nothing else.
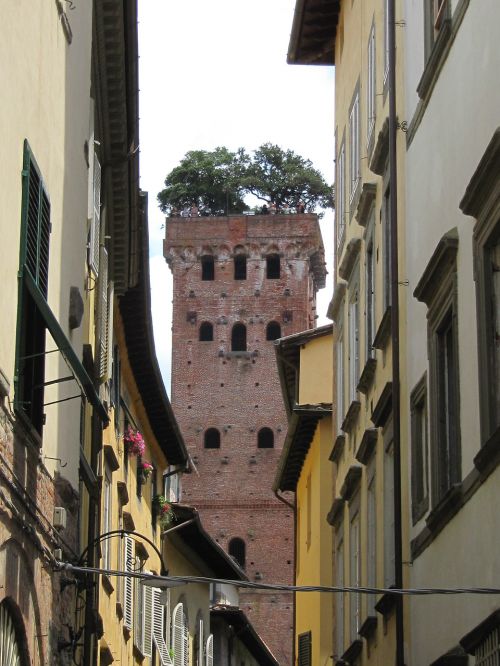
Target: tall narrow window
(339, 597)
(273, 331)
(211, 439)
(371, 549)
(34, 268)
(340, 197)
(419, 450)
(353, 346)
(386, 40)
(354, 172)
(386, 236)
(309, 512)
(370, 298)
(370, 89)
(206, 332)
(240, 267)
(273, 268)
(237, 550)
(389, 540)
(355, 567)
(305, 649)
(207, 267)
(265, 438)
(239, 338)
(340, 379)
(106, 518)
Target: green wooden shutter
(305, 644)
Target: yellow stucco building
(305, 363)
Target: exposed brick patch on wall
(239, 392)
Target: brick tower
(239, 283)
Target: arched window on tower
(211, 439)
(240, 267)
(239, 338)
(273, 266)
(206, 332)
(207, 267)
(237, 550)
(273, 331)
(265, 438)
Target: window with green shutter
(34, 269)
(305, 649)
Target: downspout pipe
(295, 546)
(396, 399)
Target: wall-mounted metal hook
(61, 463)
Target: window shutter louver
(305, 641)
(104, 308)
(147, 620)
(138, 613)
(95, 225)
(128, 549)
(210, 651)
(200, 643)
(185, 637)
(178, 634)
(159, 628)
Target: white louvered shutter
(103, 316)
(95, 224)
(210, 651)
(138, 614)
(147, 620)
(200, 644)
(9, 650)
(178, 634)
(128, 556)
(159, 628)
(185, 637)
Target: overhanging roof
(246, 633)
(301, 429)
(288, 356)
(194, 536)
(314, 27)
(135, 309)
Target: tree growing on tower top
(217, 181)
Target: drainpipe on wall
(396, 407)
(294, 509)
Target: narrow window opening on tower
(207, 267)
(273, 331)
(273, 267)
(239, 338)
(240, 267)
(206, 332)
(237, 550)
(212, 439)
(265, 439)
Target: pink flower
(135, 440)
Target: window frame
(354, 147)
(203, 335)
(206, 436)
(354, 565)
(340, 198)
(341, 405)
(240, 267)
(273, 266)
(339, 582)
(207, 262)
(370, 290)
(371, 86)
(419, 450)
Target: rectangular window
(436, 12)
(309, 511)
(389, 541)
(354, 345)
(370, 89)
(340, 380)
(305, 649)
(106, 518)
(371, 536)
(354, 151)
(34, 268)
(340, 198)
(171, 485)
(487, 653)
(207, 268)
(386, 40)
(370, 296)
(340, 596)
(386, 234)
(419, 450)
(355, 567)
(445, 361)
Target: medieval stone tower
(240, 282)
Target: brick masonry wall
(239, 393)
(28, 584)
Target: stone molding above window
(380, 153)
(367, 446)
(351, 482)
(336, 512)
(367, 376)
(351, 416)
(366, 200)
(483, 190)
(439, 266)
(383, 407)
(471, 641)
(349, 257)
(383, 331)
(338, 448)
(337, 298)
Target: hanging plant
(146, 469)
(164, 511)
(135, 442)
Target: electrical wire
(163, 581)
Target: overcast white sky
(215, 74)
